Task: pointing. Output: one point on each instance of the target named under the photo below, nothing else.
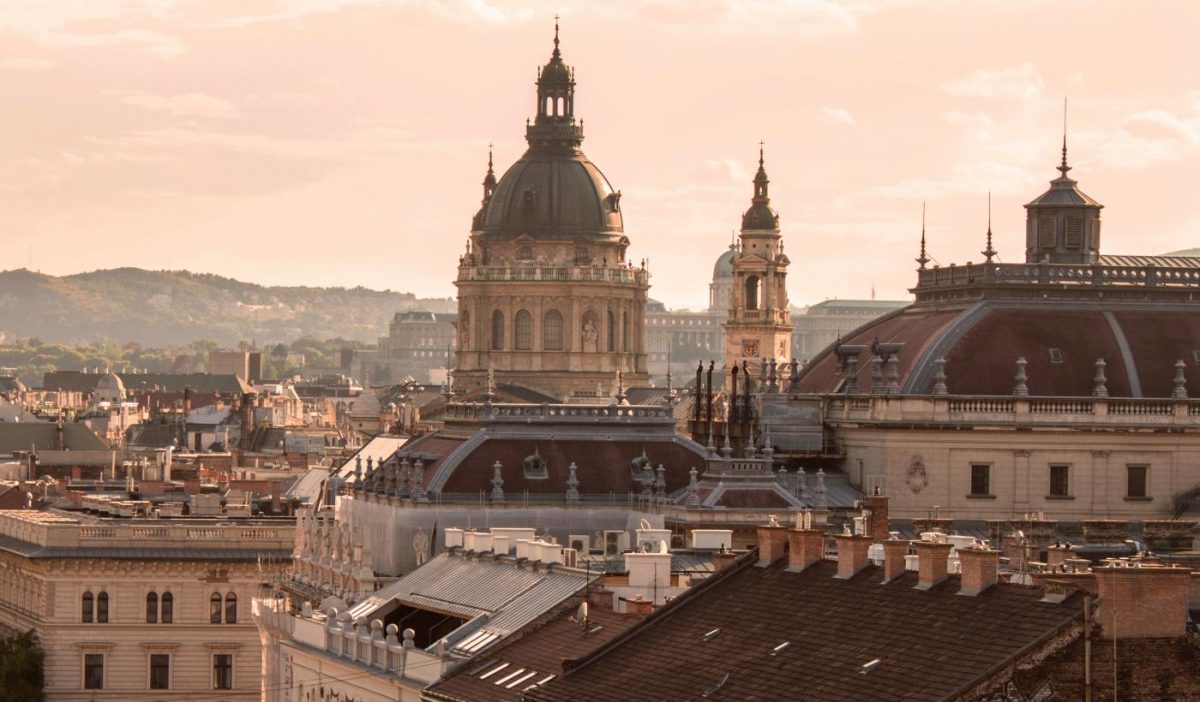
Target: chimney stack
(852, 554)
(772, 540)
(931, 563)
(1058, 554)
(1142, 602)
(980, 567)
(878, 505)
(894, 551)
(805, 547)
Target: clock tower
(759, 325)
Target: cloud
(1022, 81)
(191, 105)
(25, 64)
(836, 115)
(979, 124)
(966, 179)
(144, 40)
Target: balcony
(51, 530)
(578, 274)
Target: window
(524, 331)
(222, 671)
(93, 671)
(752, 292)
(89, 607)
(168, 608)
(612, 331)
(497, 330)
(1074, 237)
(625, 335)
(1056, 356)
(1137, 476)
(231, 608)
(152, 608)
(1047, 237)
(525, 253)
(214, 608)
(981, 483)
(160, 671)
(1060, 485)
(552, 331)
(102, 608)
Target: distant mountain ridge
(162, 308)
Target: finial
(556, 54)
(989, 252)
(1063, 167)
(489, 158)
(760, 153)
(922, 259)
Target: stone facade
(122, 607)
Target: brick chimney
(878, 504)
(852, 554)
(979, 569)
(894, 551)
(931, 563)
(1142, 603)
(1057, 555)
(722, 558)
(772, 540)
(805, 547)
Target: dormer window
(525, 253)
(528, 200)
(1056, 356)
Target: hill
(163, 308)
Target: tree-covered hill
(165, 308)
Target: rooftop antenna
(922, 259)
(990, 252)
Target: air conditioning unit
(570, 557)
(616, 542)
(580, 542)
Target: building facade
(546, 295)
(131, 609)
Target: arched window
(214, 608)
(89, 607)
(497, 330)
(612, 331)
(102, 608)
(231, 608)
(168, 608)
(552, 331)
(625, 331)
(152, 608)
(752, 292)
(523, 334)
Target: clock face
(750, 348)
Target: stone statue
(421, 546)
(589, 336)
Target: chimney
(894, 551)
(852, 554)
(1058, 554)
(1142, 603)
(979, 569)
(772, 540)
(878, 504)
(722, 559)
(931, 563)
(805, 547)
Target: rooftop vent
(780, 648)
(869, 666)
(711, 635)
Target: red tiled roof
(602, 466)
(541, 650)
(930, 644)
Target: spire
(989, 252)
(489, 180)
(922, 259)
(554, 125)
(1063, 167)
(760, 179)
(556, 53)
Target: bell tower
(759, 325)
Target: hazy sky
(342, 142)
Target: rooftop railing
(1057, 273)
(64, 532)
(586, 274)
(990, 409)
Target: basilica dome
(553, 194)
(723, 268)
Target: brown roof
(541, 650)
(981, 345)
(930, 644)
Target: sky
(343, 142)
